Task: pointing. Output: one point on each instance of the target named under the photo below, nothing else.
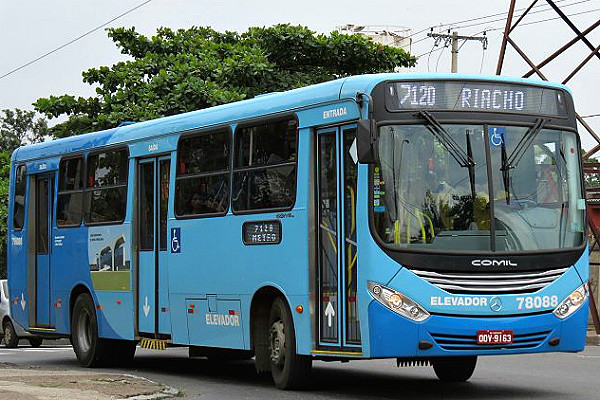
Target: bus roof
(270, 103)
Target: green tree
(4, 176)
(19, 127)
(591, 180)
(190, 69)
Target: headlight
(397, 302)
(572, 303)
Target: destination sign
(475, 96)
(262, 232)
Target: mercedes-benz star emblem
(496, 304)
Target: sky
(31, 28)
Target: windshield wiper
(463, 159)
(524, 143)
(505, 173)
(471, 166)
(510, 162)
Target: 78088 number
(532, 302)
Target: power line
(533, 22)
(590, 116)
(73, 40)
(432, 51)
(455, 25)
(517, 16)
(551, 19)
(452, 24)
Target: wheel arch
(260, 307)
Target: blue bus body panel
(146, 299)
(115, 316)
(43, 289)
(395, 336)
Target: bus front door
(336, 174)
(153, 179)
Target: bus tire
(35, 341)
(10, 336)
(90, 349)
(454, 369)
(288, 369)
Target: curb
(167, 393)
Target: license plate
(494, 337)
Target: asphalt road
(539, 376)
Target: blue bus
(426, 218)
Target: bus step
(153, 344)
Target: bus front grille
(469, 342)
(491, 283)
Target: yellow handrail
(351, 260)
(419, 216)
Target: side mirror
(366, 141)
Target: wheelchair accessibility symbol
(176, 240)
(496, 134)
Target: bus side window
(105, 192)
(265, 166)
(69, 209)
(202, 182)
(19, 198)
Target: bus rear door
(39, 271)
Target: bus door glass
(337, 167)
(44, 198)
(153, 194)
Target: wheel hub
(277, 343)
(7, 334)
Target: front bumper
(392, 335)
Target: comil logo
(493, 263)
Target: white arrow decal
(23, 302)
(146, 307)
(330, 313)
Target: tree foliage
(591, 180)
(195, 68)
(4, 179)
(19, 127)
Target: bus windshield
(476, 188)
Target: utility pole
(453, 40)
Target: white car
(11, 331)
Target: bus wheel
(454, 369)
(91, 351)
(289, 370)
(10, 336)
(35, 342)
